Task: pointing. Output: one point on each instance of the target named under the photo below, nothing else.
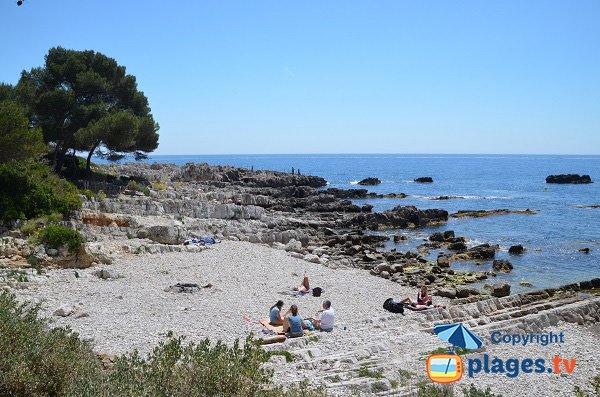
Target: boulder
(502, 265)
(64, 310)
(424, 179)
(585, 250)
(568, 178)
(447, 293)
(312, 258)
(370, 182)
(105, 274)
(516, 249)
(443, 261)
(500, 290)
(293, 246)
(465, 292)
(166, 235)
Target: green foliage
(32, 226)
(159, 186)
(595, 383)
(427, 389)
(33, 260)
(17, 140)
(56, 236)
(138, 187)
(365, 372)
(37, 361)
(473, 391)
(457, 350)
(31, 190)
(17, 275)
(84, 100)
(289, 357)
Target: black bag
(392, 306)
(317, 291)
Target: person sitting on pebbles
(275, 317)
(325, 318)
(293, 324)
(424, 301)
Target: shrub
(30, 190)
(37, 361)
(159, 186)
(56, 236)
(595, 383)
(138, 187)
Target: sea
(552, 237)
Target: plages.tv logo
(448, 368)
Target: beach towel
(277, 329)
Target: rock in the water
(502, 265)
(568, 178)
(585, 250)
(516, 249)
(500, 290)
(443, 261)
(370, 182)
(424, 179)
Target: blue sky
(339, 76)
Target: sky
(229, 77)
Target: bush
(56, 236)
(30, 189)
(595, 383)
(138, 187)
(36, 361)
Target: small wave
(354, 182)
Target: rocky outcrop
(370, 182)
(482, 213)
(568, 178)
(479, 252)
(424, 179)
(502, 265)
(401, 217)
(516, 249)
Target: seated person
(424, 301)
(423, 298)
(325, 318)
(304, 286)
(293, 324)
(275, 317)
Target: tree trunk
(89, 160)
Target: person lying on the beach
(325, 318)
(293, 324)
(275, 317)
(304, 286)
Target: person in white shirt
(325, 318)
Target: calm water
(552, 237)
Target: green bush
(37, 361)
(56, 236)
(595, 383)
(30, 190)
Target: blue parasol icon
(458, 335)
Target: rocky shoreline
(269, 222)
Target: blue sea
(552, 237)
